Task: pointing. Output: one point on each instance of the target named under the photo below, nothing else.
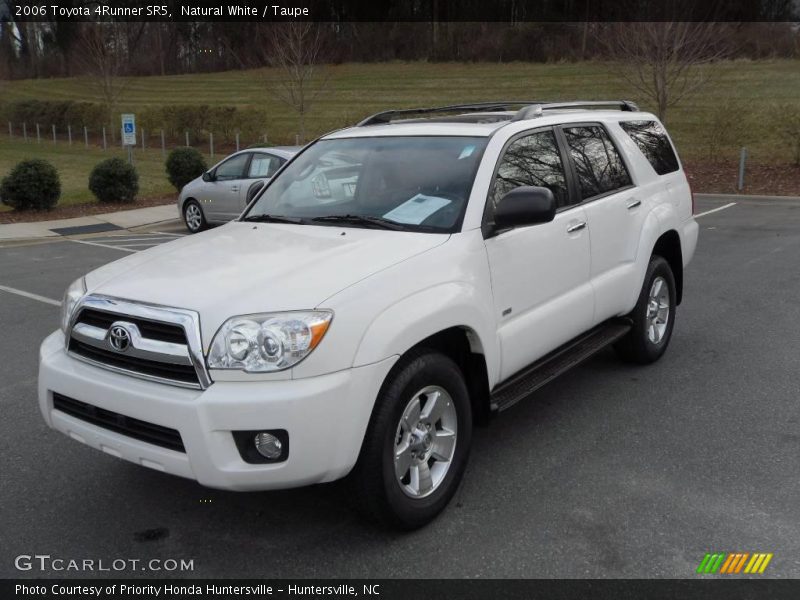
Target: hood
(243, 268)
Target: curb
(746, 197)
(114, 221)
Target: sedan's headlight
(72, 296)
(268, 342)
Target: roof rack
(385, 117)
(536, 110)
(530, 109)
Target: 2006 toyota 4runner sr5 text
(393, 284)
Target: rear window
(598, 165)
(654, 144)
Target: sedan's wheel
(193, 216)
(417, 443)
(653, 318)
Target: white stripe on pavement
(139, 239)
(29, 295)
(102, 245)
(713, 210)
(165, 233)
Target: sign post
(129, 134)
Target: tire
(653, 323)
(414, 500)
(194, 221)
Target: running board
(544, 370)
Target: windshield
(407, 183)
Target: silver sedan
(222, 192)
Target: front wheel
(417, 443)
(193, 216)
(653, 317)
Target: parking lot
(610, 471)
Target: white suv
(394, 284)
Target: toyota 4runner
(395, 283)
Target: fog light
(268, 445)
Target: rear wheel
(417, 443)
(653, 318)
(193, 216)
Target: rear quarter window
(652, 140)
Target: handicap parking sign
(129, 129)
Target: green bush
(183, 165)
(114, 180)
(31, 184)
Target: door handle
(576, 227)
(234, 188)
(634, 204)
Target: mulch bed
(79, 210)
(768, 179)
(709, 177)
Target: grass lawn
(74, 165)
(751, 89)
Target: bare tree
(663, 62)
(103, 53)
(297, 77)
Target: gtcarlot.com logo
(731, 563)
(46, 562)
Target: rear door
(540, 273)
(615, 210)
(224, 193)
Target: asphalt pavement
(610, 471)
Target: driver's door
(222, 202)
(540, 273)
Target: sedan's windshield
(406, 183)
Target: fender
(426, 312)
(660, 220)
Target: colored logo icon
(734, 562)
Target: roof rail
(382, 118)
(536, 110)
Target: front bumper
(326, 418)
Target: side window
(654, 144)
(598, 165)
(262, 166)
(531, 160)
(233, 168)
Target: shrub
(31, 184)
(114, 180)
(183, 165)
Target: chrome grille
(146, 341)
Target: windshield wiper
(362, 220)
(274, 219)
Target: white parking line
(136, 239)
(102, 245)
(713, 210)
(171, 234)
(149, 245)
(25, 294)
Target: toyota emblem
(119, 338)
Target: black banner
(439, 589)
(397, 10)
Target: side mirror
(525, 205)
(208, 176)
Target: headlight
(268, 342)
(72, 296)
